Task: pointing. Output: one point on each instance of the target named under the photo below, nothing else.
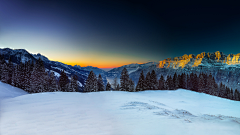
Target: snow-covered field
(179, 112)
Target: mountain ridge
(21, 55)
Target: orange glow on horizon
(105, 65)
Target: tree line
(202, 83)
(33, 78)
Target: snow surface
(7, 91)
(119, 113)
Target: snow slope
(8, 91)
(120, 113)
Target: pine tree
(195, 82)
(215, 86)
(154, 82)
(108, 87)
(63, 81)
(236, 95)
(21, 75)
(10, 71)
(166, 83)
(2, 61)
(91, 83)
(124, 80)
(4, 73)
(175, 81)
(231, 94)
(201, 83)
(205, 77)
(115, 83)
(26, 76)
(75, 83)
(118, 87)
(131, 86)
(45, 82)
(210, 85)
(228, 93)
(161, 83)
(15, 81)
(180, 81)
(148, 83)
(140, 85)
(184, 81)
(190, 82)
(52, 83)
(171, 85)
(37, 77)
(222, 91)
(100, 83)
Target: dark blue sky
(111, 33)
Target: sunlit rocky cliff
(224, 67)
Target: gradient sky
(107, 34)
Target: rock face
(21, 55)
(224, 67)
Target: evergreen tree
(124, 80)
(195, 82)
(15, 81)
(166, 83)
(10, 71)
(115, 83)
(171, 85)
(236, 95)
(2, 61)
(118, 87)
(190, 80)
(161, 83)
(180, 81)
(154, 82)
(147, 81)
(21, 75)
(222, 91)
(26, 76)
(231, 94)
(63, 81)
(205, 77)
(228, 93)
(37, 77)
(108, 87)
(52, 83)
(91, 83)
(184, 81)
(74, 83)
(140, 86)
(201, 83)
(45, 82)
(215, 86)
(210, 85)
(5, 73)
(175, 81)
(131, 86)
(100, 83)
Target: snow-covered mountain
(170, 112)
(21, 55)
(96, 70)
(224, 67)
(116, 72)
